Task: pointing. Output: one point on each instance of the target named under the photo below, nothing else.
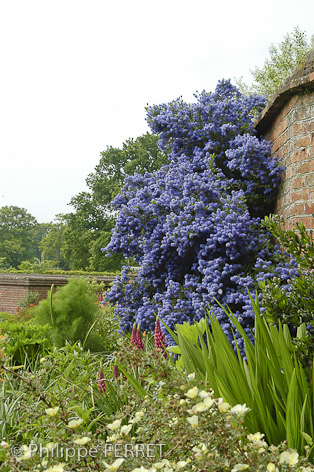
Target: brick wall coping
(45, 280)
(301, 80)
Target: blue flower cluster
(193, 226)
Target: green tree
(52, 243)
(88, 229)
(283, 59)
(19, 236)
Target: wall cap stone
(300, 81)
(46, 280)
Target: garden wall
(288, 121)
(14, 287)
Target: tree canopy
(89, 228)
(283, 59)
(20, 234)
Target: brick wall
(288, 121)
(14, 287)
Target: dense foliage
(89, 227)
(293, 305)
(283, 60)
(20, 235)
(194, 225)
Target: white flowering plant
(178, 423)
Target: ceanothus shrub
(193, 226)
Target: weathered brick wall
(288, 121)
(14, 287)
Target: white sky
(76, 76)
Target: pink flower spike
(116, 372)
(133, 336)
(138, 340)
(101, 384)
(159, 338)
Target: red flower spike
(160, 341)
(133, 336)
(101, 384)
(138, 339)
(116, 372)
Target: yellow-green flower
(289, 457)
(204, 405)
(52, 411)
(75, 423)
(239, 410)
(238, 467)
(192, 392)
(82, 441)
(125, 429)
(181, 464)
(203, 394)
(56, 468)
(193, 420)
(114, 466)
(271, 467)
(223, 407)
(115, 425)
(26, 453)
(255, 436)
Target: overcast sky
(76, 76)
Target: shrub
(70, 312)
(293, 303)
(194, 225)
(24, 341)
(276, 388)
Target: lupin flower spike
(159, 338)
(101, 384)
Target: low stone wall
(14, 287)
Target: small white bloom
(181, 464)
(193, 420)
(182, 402)
(56, 468)
(201, 406)
(115, 425)
(191, 376)
(75, 423)
(26, 453)
(4, 444)
(160, 465)
(125, 429)
(82, 441)
(255, 436)
(112, 438)
(203, 394)
(239, 410)
(271, 467)
(114, 466)
(192, 393)
(43, 359)
(192, 411)
(140, 469)
(223, 407)
(238, 467)
(52, 411)
(289, 457)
